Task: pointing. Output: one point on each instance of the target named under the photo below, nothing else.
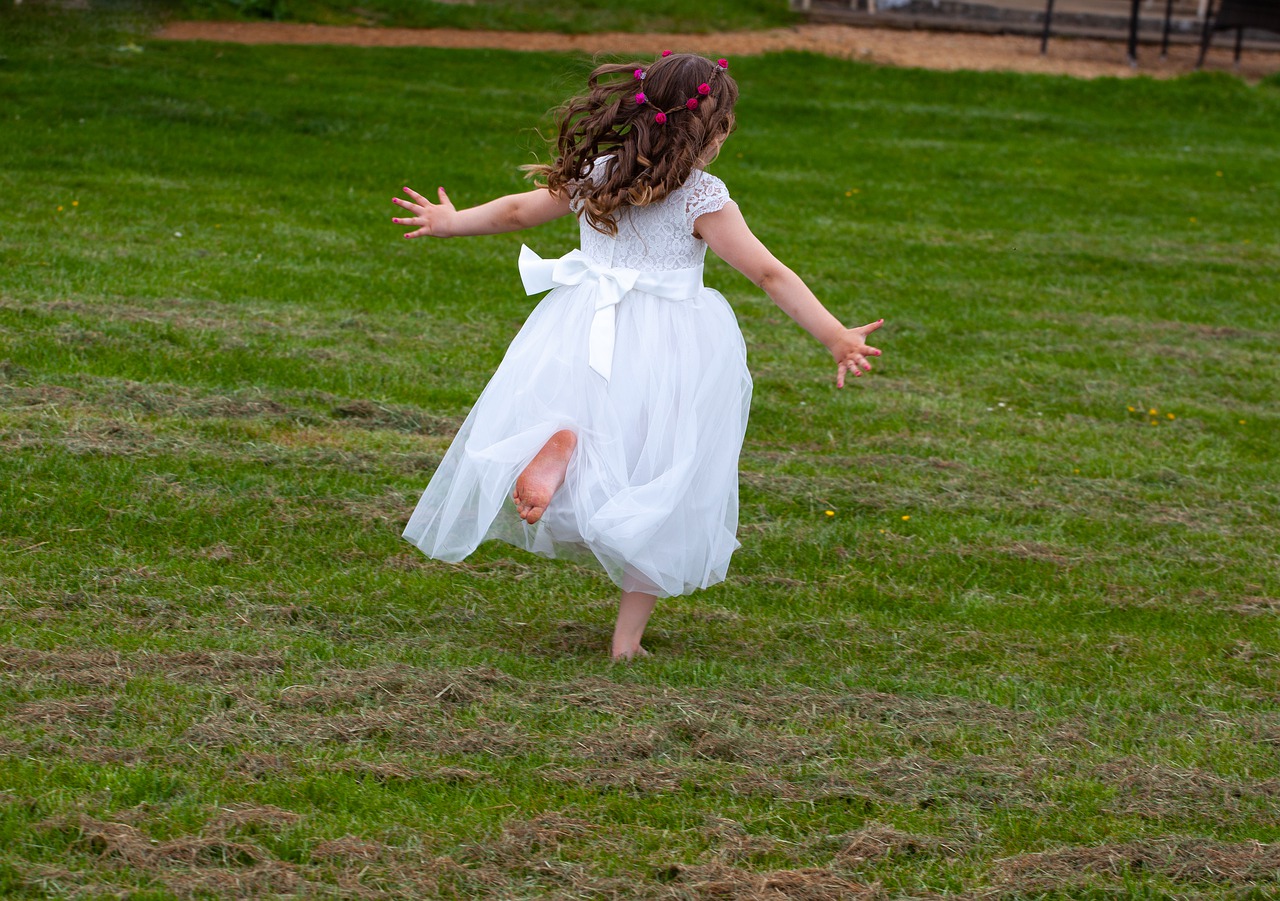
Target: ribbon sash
(612, 284)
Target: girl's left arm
(511, 213)
(727, 233)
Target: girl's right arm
(513, 212)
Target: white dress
(649, 369)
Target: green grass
(1033, 653)
(581, 17)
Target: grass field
(1004, 621)
(574, 16)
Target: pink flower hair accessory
(666, 53)
(704, 89)
(691, 103)
(660, 118)
(641, 98)
(639, 73)
(722, 63)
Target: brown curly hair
(647, 160)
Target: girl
(614, 422)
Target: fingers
(423, 226)
(418, 198)
(422, 210)
(856, 364)
(870, 327)
(418, 206)
(411, 207)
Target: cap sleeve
(706, 195)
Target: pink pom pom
(666, 53)
(722, 63)
(660, 118)
(641, 98)
(640, 74)
(691, 103)
(704, 89)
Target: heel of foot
(543, 476)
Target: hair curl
(647, 160)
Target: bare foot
(543, 476)
(634, 609)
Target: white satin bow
(612, 284)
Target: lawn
(573, 16)
(1004, 620)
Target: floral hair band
(704, 89)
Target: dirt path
(923, 49)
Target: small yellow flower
(1152, 412)
(1170, 415)
(882, 531)
(848, 193)
(1219, 173)
(217, 226)
(75, 203)
(1242, 422)
(1192, 219)
(1155, 422)
(1132, 410)
(59, 209)
(905, 518)
(1075, 471)
(831, 512)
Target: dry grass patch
(1178, 859)
(261, 767)
(121, 843)
(68, 713)
(718, 880)
(877, 841)
(640, 777)
(1254, 605)
(406, 728)
(235, 816)
(393, 684)
(1154, 791)
(349, 848)
(912, 781)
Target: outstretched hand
(432, 220)
(851, 351)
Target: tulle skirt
(651, 491)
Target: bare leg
(543, 476)
(633, 615)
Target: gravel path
(887, 46)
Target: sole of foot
(543, 476)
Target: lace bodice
(659, 236)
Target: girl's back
(659, 236)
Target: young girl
(613, 424)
